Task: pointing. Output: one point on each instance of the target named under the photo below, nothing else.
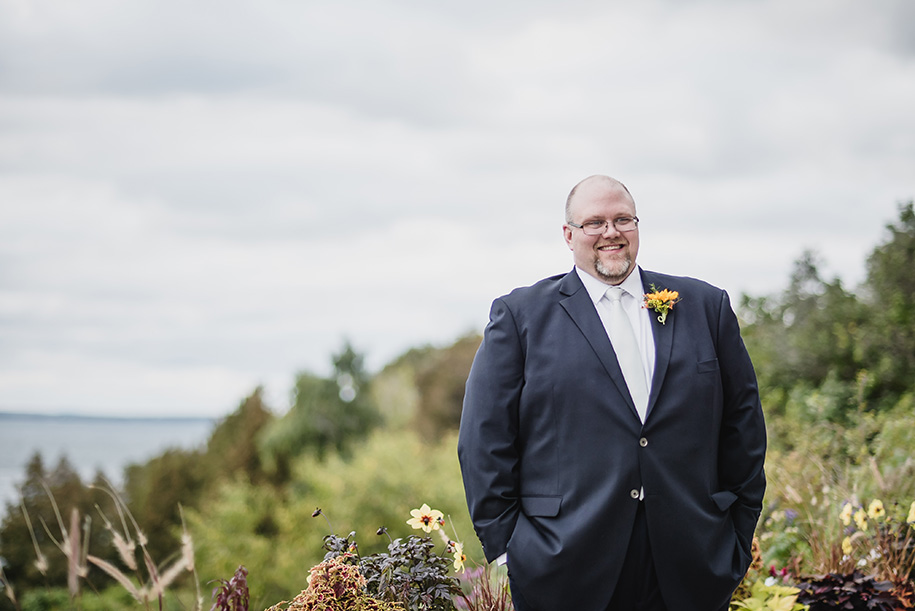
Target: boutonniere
(661, 302)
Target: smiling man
(606, 255)
(613, 455)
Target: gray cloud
(199, 197)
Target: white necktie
(627, 350)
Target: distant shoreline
(4, 415)
(91, 444)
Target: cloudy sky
(197, 197)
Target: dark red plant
(232, 595)
(853, 592)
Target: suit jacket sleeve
(742, 441)
(487, 444)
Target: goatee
(616, 275)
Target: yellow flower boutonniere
(661, 302)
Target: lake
(90, 444)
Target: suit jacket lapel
(663, 342)
(580, 308)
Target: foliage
(823, 354)
(768, 595)
(440, 379)
(409, 573)
(888, 344)
(335, 585)
(242, 523)
(46, 600)
(408, 576)
(803, 519)
(269, 529)
(233, 445)
(851, 591)
(805, 334)
(56, 599)
(484, 588)
(29, 552)
(885, 540)
(232, 594)
(156, 489)
(328, 415)
(837, 379)
(73, 543)
(183, 478)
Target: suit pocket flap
(724, 499)
(707, 366)
(541, 506)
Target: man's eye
(595, 224)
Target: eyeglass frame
(607, 224)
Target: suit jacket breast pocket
(709, 366)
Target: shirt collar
(596, 288)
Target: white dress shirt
(639, 317)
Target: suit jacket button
(643, 442)
(634, 493)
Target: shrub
(853, 592)
(768, 595)
(335, 585)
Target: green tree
(155, 490)
(889, 341)
(440, 380)
(807, 334)
(327, 415)
(232, 447)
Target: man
(613, 483)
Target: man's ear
(567, 234)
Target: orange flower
(661, 302)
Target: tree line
(836, 369)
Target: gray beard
(608, 274)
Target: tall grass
(139, 575)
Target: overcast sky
(197, 197)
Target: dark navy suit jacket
(553, 454)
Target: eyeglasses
(623, 223)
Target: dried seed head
(187, 551)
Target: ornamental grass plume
(8, 588)
(74, 545)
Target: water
(90, 444)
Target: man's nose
(610, 229)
